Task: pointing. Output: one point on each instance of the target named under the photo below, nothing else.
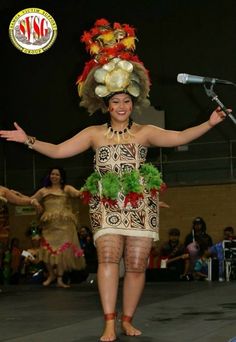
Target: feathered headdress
(113, 68)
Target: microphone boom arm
(210, 93)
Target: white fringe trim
(125, 232)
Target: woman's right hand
(35, 203)
(17, 135)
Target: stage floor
(168, 312)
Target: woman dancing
(123, 190)
(60, 248)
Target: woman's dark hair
(108, 97)
(229, 229)
(88, 231)
(199, 220)
(47, 181)
(174, 231)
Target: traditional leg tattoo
(136, 253)
(110, 248)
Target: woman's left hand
(163, 205)
(217, 116)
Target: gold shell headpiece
(114, 67)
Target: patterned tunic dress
(121, 217)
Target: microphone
(188, 79)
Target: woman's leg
(136, 253)
(109, 250)
(60, 272)
(51, 275)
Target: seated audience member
(173, 256)
(6, 265)
(10, 255)
(90, 252)
(2, 247)
(154, 256)
(15, 263)
(33, 269)
(153, 271)
(193, 249)
(154, 253)
(201, 264)
(217, 250)
(198, 231)
(229, 233)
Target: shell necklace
(119, 135)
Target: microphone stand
(210, 93)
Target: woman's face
(55, 176)
(120, 107)
(198, 228)
(83, 232)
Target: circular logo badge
(33, 31)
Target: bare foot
(49, 280)
(130, 330)
(109, 331)
(61, 284)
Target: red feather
(88, 66)
(117, 26)
(129, 30)
(109, 201)
(86, 37)
(132, 198)
(125, 55)
(102, 22)
(163, 187)
(95, 31)
(153, 192)
(86, 197)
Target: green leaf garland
(128, 182)
(131, 182)
(151, 175)
(110, 185)
(91, 183)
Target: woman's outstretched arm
(168, 138)
(16, 199)
(75, 145)
(72, 191)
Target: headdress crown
(114, 67)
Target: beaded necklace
(119, 135)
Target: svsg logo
(33, 31)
